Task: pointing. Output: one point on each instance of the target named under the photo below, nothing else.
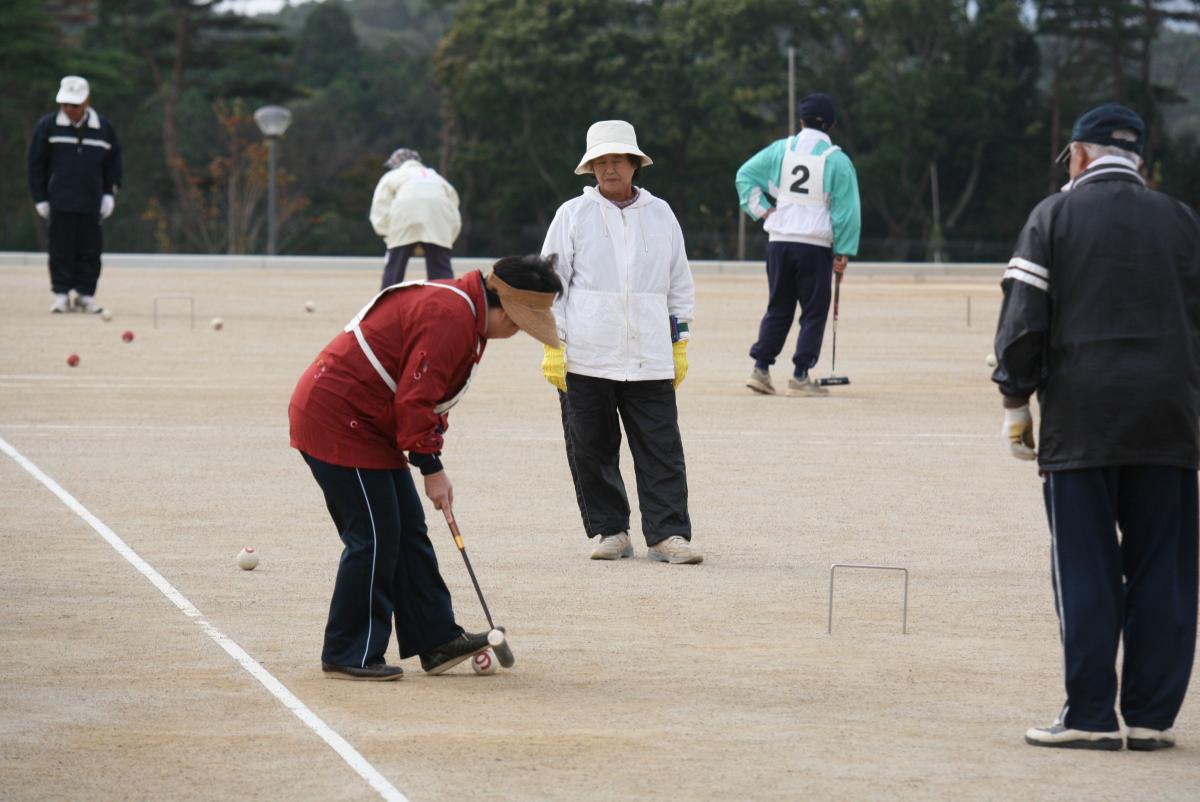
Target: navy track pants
(1124, 565)
(437, 263)
(388, 568)
(797, 273)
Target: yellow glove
(554, 367)
(679, 350)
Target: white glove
(1018, 429)
(43, 209)
(106, 206)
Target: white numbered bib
(802, 180)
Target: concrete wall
(917, 270)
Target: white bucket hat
(610, 136)
(73, 90)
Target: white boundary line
(289, 700)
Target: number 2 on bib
(798, 185)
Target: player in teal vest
(805, 191)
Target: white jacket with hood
(414, 204)
(624, 273)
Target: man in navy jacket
(1101, 319)
(74, 172)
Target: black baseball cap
(817, 106)
(1096, 125)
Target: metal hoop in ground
(904, 613)
(191, 301)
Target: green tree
(1110, 49)
(520, 83)
(29, 72)
(189, 55)
(328, 46)
(936, 88)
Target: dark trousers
(437, 263)
(1141, 586)
(797, 273)
(75, 243)
(590, 411)
(388, 568)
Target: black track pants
(593, 411)
(75, 245)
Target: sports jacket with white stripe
(1101, 317)
(73, 167)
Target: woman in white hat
(623, 318)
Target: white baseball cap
(73, 90)
(610, 136)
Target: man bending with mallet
(374, 401)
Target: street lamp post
(272, 121)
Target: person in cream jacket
(415, 210)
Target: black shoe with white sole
(451, 653)
(1059, 736)
(376, 672)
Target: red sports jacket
(427, 338)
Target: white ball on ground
(309, 306)
(990, 360)
(484, 663)
(217, 324)
(247, 558)
(106, 315)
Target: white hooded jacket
(625, 273)
(414, 204)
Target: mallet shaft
(496, 637)
(462, 549)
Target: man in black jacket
(1101, 317)
(74, 172)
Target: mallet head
(499, 644)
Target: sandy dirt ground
(635, 680)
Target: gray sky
(252, 7)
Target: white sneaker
(675, 549)
(61, 305)
(808, 387)
(87, 304)
(1141, 739)
(1059, 735)
(760, 382)
(613, 547)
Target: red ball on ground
(127, 336)
(73, 360)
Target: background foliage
(952, 110)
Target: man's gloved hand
(43, 209)
(679, 351)
(554, 367)
(1018, 428)
(107, 203)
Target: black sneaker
(376, 672)
(450, 654)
